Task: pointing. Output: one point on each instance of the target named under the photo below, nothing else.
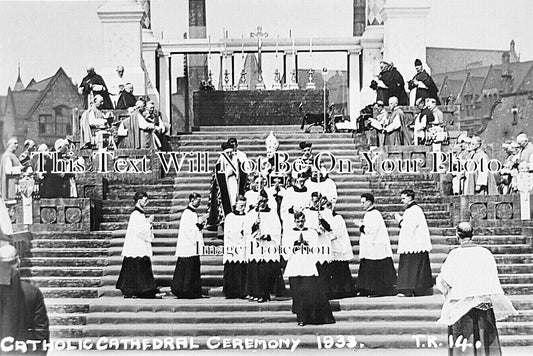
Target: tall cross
(259, 35)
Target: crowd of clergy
(392, 128)
(519, 158)
(278, 230)
(140, 125)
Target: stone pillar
(122, 41)
(196, 63)
(354, 87)
(165, 96)
(372, 43)
(149, 59)
(404, 33)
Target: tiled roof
(24, 100)
(41, 84)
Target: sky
(44, 35)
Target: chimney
(507, 74)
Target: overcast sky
(44, 35)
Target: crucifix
(259, 35)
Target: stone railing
(484, 210)
(68, 214)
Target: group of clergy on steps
(143, 126)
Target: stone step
(65, 282)
(341, 327)
(58, 243)
(67, 305)
(281, 317)
(56, 271)
(78, 292)
(214, 305)
(72, 235)
(67, 252)
(62, 262)
(67, 318)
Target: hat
(418, 62)
(379, 102)
(8, 253)
(225, 146)
(304, 144)
(521, 138)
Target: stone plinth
(122, 42)
(404, 33)
(61, 214)
(485, 210)
(265, 107)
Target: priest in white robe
(309, 299)
(377, 275)
(186, 282)
(414, 245)
(136, 278)
(234, 257)
(263, 238)
(474, 298)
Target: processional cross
(259, 35)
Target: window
(46, 125)
(58, 124)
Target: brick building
(41, 111)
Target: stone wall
(253, 107)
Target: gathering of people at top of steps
(428, 126)
(32, 171)
(143, 127)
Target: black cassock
(87, 82)
(126, 100)
(395, 87)
(430, 92)
(219, 202)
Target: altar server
(342, 284)
(234, 257)
(414, 244)
(263, 238)
(309, 299)
(320, 182)
(136, 278)
(474, 298)
(320, 218)
(186, 282)
(377, 275)
(296, 198)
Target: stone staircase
(77, 271)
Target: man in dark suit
(35, 325)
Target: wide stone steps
(341, 327)
(68, 292)
(80, 272)
(118, 215)
(173, 223)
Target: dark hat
(225, 146)
(232, 141)
(418, 62)
(304, 144)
